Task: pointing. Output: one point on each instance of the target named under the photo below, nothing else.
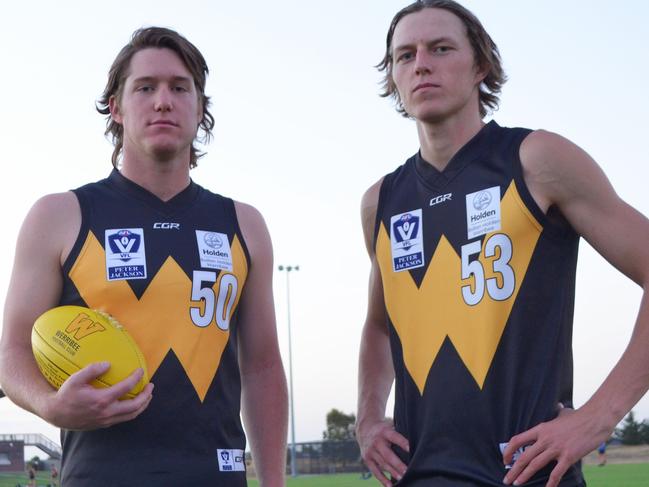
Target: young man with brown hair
(186, 271)
(473, 243)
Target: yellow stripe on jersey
(423, 317)
(160, 320)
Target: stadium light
(288, 270)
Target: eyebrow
(432, 42)
(181, 79)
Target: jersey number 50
(215, 304)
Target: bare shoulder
(54, 219)
(254, 229)
(554, 167)
(369, 205)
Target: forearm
(375, 375)
(629, 379)
(22, 382)
(265, 414)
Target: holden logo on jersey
(440, 199)
(214, 250)
(125, 255)
(481, 200)
(483, 212)
(406, 237)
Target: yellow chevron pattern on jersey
(198, 349)
(423, 317)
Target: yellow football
(67, 338)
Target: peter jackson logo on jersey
(125, 255)
(406, 237)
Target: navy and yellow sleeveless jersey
(479, 291)
(172, 273)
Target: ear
(115, 113)
(481, 73)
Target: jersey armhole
(84, 228)
(552, 228)
(229, 203)
(383, 194)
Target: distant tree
(339, 445)
(340, 426)
(644, 431)
(630, 432)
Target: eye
(180, 89)
(441, 49)
(144, 89)
(405, 56)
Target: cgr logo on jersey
(483, 212)
(214, 250)
(231, 460)
(440, 199)
(407, 241)
(166, 226)
(125, 255)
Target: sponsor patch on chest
(407, 241)
(125, 254)
(214, 250)
(483, 212)
(231, 460)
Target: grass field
(629, 475)
(621, 475)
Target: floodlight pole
(288, 270)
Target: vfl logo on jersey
(440, 199)
(231, 460)
(214, 250)
(125, 255)
(406, 237)
(483, 212)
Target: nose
(163, 101)
(423, 62)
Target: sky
(301, 133)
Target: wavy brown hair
(485, 53)
(156, 37)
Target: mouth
(423, 86)
(163, 123)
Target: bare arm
(45, 240)
(560, 173)
(375, 434)
(264, 394)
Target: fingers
(519, 441)
(398, 439)
(381, 459)
(128, 409)
(89, 373)
(125, 386)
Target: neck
(439, 141)
(163, 179)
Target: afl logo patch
(125, 254)
(406, 238)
